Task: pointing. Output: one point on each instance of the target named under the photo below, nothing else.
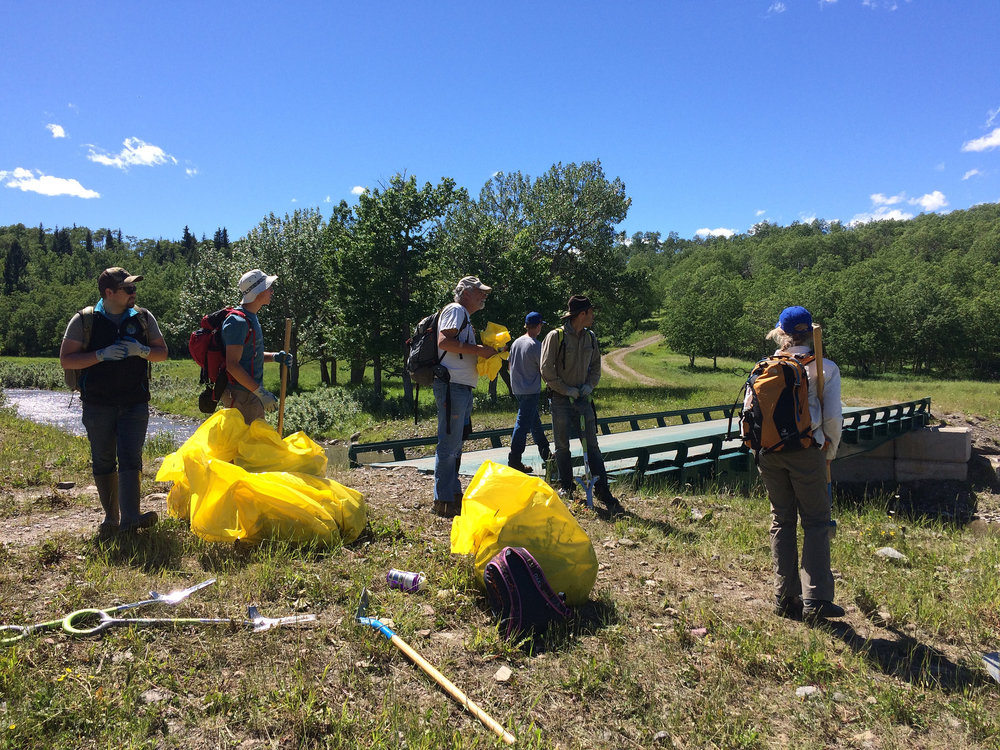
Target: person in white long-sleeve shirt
(796, 482)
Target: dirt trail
(613, 363)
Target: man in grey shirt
(526, 385)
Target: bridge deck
(695, 447)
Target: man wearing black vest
(113, 344)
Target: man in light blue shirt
(245, 355)
(526, 385)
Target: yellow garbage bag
(489, 368)
(496, 336)
(229, 503)
(504, 508)
(233, 481)
(258, 447)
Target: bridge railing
(880, 423)
(703, 454)
(500, 437)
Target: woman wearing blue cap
(796, 482)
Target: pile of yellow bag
(233, 482)
(504, 508)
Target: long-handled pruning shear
(255, 621)
(73, 623)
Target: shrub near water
(322, 411)
(45, 374)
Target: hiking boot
(789, 607)
(446, 510)
(614, 507)
(515, 463)
(813, 609)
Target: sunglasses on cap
(128, 288)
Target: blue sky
(715, 114)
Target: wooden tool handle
(820, 381)
(284, 378)
(452, 690)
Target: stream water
(65, 412)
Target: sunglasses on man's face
(128, 288)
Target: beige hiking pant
(249, 405)
(796, 486)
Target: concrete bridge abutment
(929, 453)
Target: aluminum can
(404, 580)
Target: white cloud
(880, 214)
(136, 152)
(328, 199)
(991, 117)
(880, 199)
(971, 173)
(191, 171)
(718, 232)
(57, 130)
(295, 200)
(930, 201)
(761, 212)
(777, 8)
(986, 143)
(43, 184)
(358, 190)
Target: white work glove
(573, 393)
(284, 358)
(267, 398)
(585, 390)
(112, 353)
(135, 349)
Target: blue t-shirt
(246, 333)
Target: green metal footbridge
(683, 444)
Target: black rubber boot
(515, 463)
(128, 498)
(107, 492)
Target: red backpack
(207, 349)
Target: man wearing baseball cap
(526, 385)
(111, 345)
(245, 355)
(453, 386)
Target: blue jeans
(116, 434)
(527, 421)
(566, 423)
(447, 486)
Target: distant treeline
(917, 294)
(357, 281)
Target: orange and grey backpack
(775, 415)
